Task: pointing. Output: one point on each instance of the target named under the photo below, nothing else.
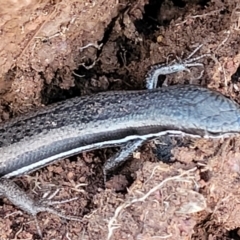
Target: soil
(171, 188)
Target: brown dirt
(195, 196)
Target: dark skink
(67, 128)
